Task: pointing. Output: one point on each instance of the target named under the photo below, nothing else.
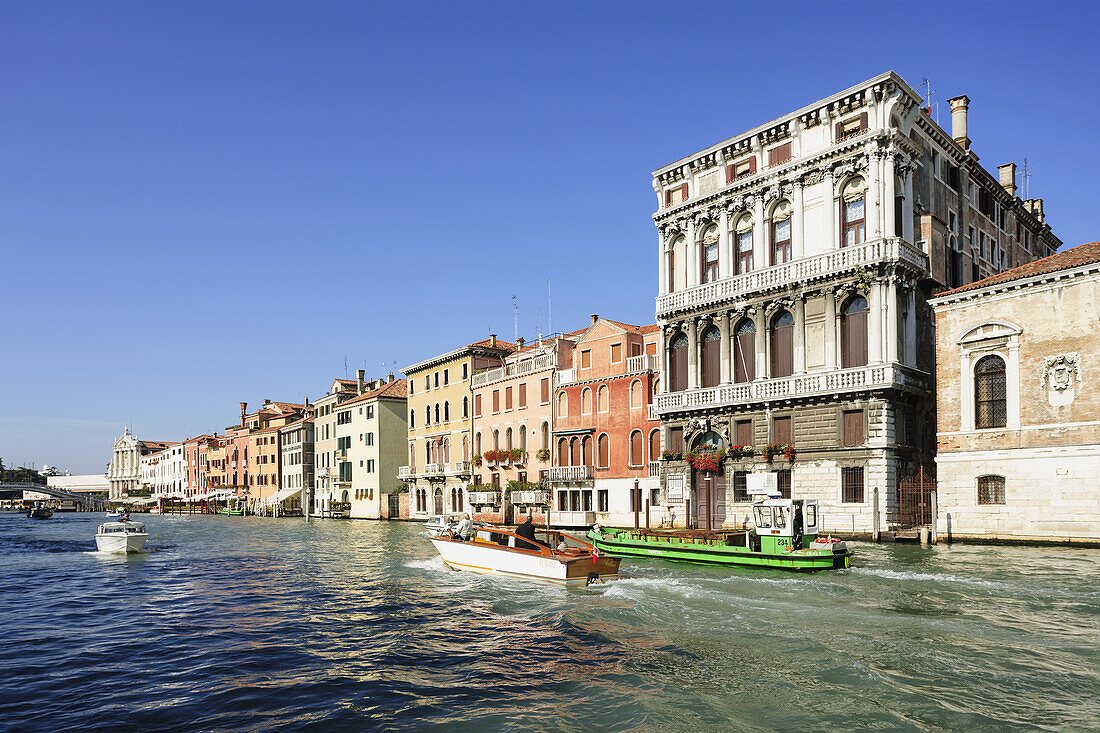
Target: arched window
(427, 414)
(899, 207)
(563, 452)
(678, 363)
(743, 237)
(477, 443)
(710, 360)
(523, 438)
(461, 503)
(496, 439)
(781, 233)
(744, 352)
(709, 440)
(853, 332)
(465, 407)
(446, 412)
(465, 448)
(636, 393)
(508, 438)
(574, 452)
(563, 404)
(412, 456)
(454, 500)
(709, 264)
(437, 413)
(782, 343)
(655, 445)
(586, 401)
(852, 215)
(990, 393)
(586, 451)
(428, 452)
(636, 448)
(677, 264)
(604, 445)
(412, 418)
(545, 442)
(601, 398)
(446, 450)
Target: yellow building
(440, 405)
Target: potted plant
(706, 460)
(671, 455)
(543, 454)
(477, 460)
(774, 449)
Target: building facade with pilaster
(795, 262)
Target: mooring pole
(636, 496)
(935, 513)
(875, 531)
(647, 513)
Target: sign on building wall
(762, 483)
(675, 487)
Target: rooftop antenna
(1027, 180)
(345, 367)
(549, 311)
(927, 97)
(515, 315)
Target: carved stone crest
(1061, 376)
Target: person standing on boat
(796, 528)
(464, 527)
(527, 531)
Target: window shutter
(545, 391)
(684, 192)
(839, 131)
(668, 198)
(862, 120)
(729, 173)
(752, 165)
(853, 427)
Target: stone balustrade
(571, 473)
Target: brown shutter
(862, 120)
(675, 439)
(496, 400)
(853, 340)
(853, 427)
(575, 452)
(745, 358)
(783, 351)
(603, 448)
(668, 198)
(563, 452)
(684, 192)
(507, 398)
(744, 432)
(477, 405)
(523, 395)
(655, 445)
(711, 363)
(781, 430)
(545, 390)
(586, 451)
(729, 173)
(839, 131)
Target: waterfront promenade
(237, 623)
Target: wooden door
(744, 363)
(783, 347)
(711, 359)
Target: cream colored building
(331, 496)
(440, 410)
(371, 431)
(124, 470)
(1018, 407)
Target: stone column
(759, 236)
(875, 324)
(799, 335)
(693, 353)
(911, 326)
(831, 232)
(890, 313)
(830, 329)
(797, 222)
(889, 192)
(725, 250)
(662, 265)
(693, 258)
(873, 213)
(763, 368)
(724, 324)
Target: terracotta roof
(651, 328)
(397, 389)
(501, 344)
(1084, 254)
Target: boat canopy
(773, 516)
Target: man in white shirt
(464, 527)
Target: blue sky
(209, 202)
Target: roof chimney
(595, 317)
(1007, 173)
(959, 106)
(244, 409)
(359, 375)
(520, 341)
(1035, 206)
(267, 401)
(492, 339)
(389, 377)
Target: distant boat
(40, 512)
(121, 537)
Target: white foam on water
(435, 563)
(936, 577)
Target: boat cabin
(547, 542)
(772, 520)
(122, 528)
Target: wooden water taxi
(769, 543)
(553, 556)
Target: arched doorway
(709, 487)
(439, 501)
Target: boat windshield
(763, 516)
(780, 514)
(810, 514)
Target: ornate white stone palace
(795, 262)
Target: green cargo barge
(768, 544)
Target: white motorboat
(439, 522)
(553, 556)
(121, 537)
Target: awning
(281, 495)
(576, 431)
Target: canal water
(234, 623)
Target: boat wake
(934, 577)
(435, 564)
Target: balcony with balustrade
(460, 468)
(536, 497)
(654, 469)
(563, 474)
(631, 365)
(434, 469)
(517, 369)
(403, 472)
(839, 381)
(812, 268)
(483, 498)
